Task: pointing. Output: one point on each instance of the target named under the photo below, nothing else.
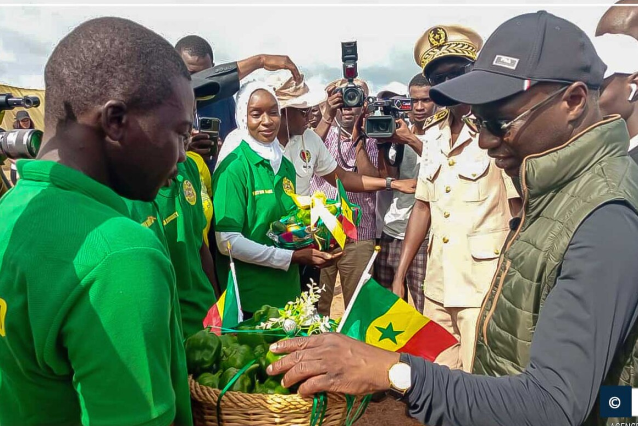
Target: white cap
(619, 52)
(291, 94)
(395, 87)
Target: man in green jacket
(560, 318)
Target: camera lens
(352, 97)
(23, 143)
(382, 126)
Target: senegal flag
(347, 220)
(226, 312)
(381, 318)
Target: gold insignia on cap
(447, 40)
(189, 193)
(437, 36)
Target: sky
(309, 33)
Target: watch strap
(388, 183)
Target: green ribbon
(228, 386)
(350, 401)
(319, 407)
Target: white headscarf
(268, 151)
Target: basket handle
(228, 386)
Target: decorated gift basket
(316, 221)
(227, 372)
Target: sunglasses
(304, 111)
(439, 78)
(499, 128)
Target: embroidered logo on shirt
(305, 156)
(189, 193)
(289, 188)
(262, 192)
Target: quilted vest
(560, 188)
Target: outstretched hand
(313, 257)
(407, 186)
(333, 362)
(282, 62)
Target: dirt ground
(387, 412)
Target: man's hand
(359, 124)
(282, 62)
(201, 144)
(334, 102)
(398, 287)
(402, 135)
(407, 186)
(333, 362)
(310, 256)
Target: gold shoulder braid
(436, 118)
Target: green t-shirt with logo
(248, 197)
(89, 320)
(177, 218)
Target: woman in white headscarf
(249, 194)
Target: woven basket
(240, 409)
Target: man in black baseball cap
(560, 318)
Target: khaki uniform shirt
(468, 197)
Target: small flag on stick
(226, 312)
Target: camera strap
(343, 161)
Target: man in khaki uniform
(463, 195)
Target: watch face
(400, 375)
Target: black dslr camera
(384, 113)
(22, 143)
(353, 95)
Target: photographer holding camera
(352, 154)
(341, 129)
(395, 219)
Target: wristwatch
(388, 183)
(400, 376)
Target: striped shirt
(366, 200)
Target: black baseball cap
(527, 49)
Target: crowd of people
(505, 205)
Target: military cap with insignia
(444, 41)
